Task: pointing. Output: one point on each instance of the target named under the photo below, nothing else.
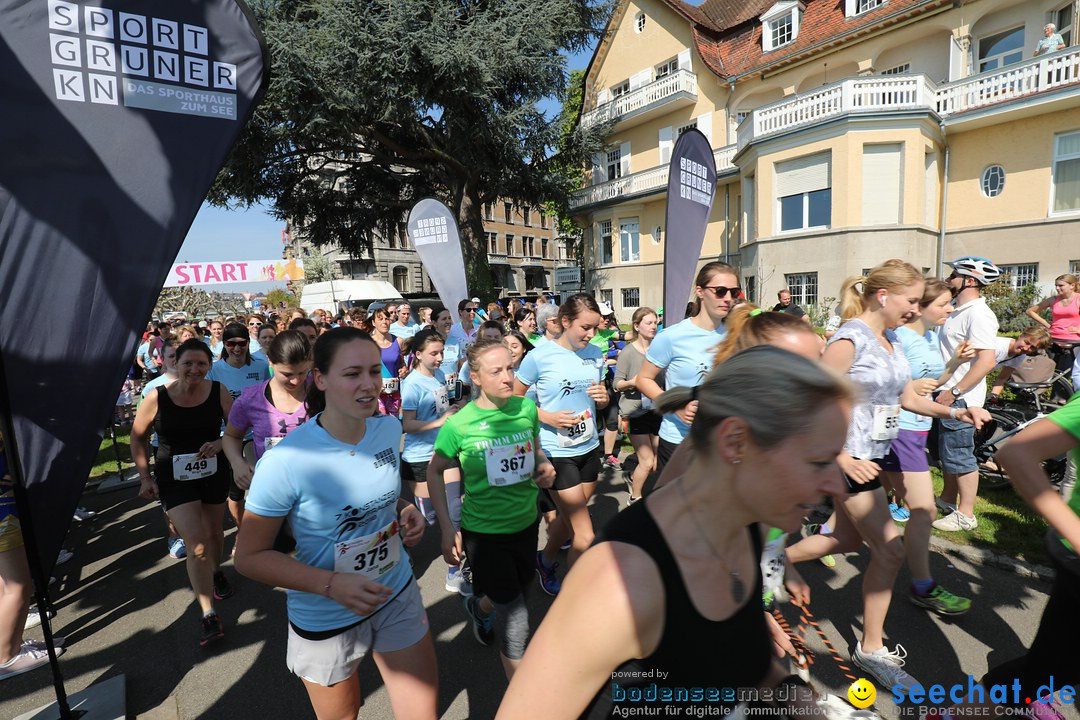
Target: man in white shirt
(972, 321)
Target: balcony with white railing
(897, 93)
(991, 91)
(669, 92)
(641, 183)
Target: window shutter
(850, 7)
(624, 158)
(684, 60)
(801, 175)
(932, 191)
(642, 78)
(665, 145)
(598, 168)
(881, 184)
(704, 124)
(604, 96)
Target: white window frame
(630, 252)
(689, 126)
(1063, 31)
(639, 22)
(1074, 267)
(528, 243)
(613, 163)
(779, 184)
(853, 8)
(621, 89)
(631, 297)
(493, 243)
(607, 296)
(666, 68)
(509, 244)
(1018, 53)
(799, 284)
(786, 12)
(1017, 272)
(901, 69)
(1058, 158)
(403, 275)
(604, 243)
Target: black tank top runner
(694, 652)
(183, 430)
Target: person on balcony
(1052, 42)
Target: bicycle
(1006, 420)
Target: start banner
(234, 271)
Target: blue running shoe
(549, 580)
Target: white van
(332, 295)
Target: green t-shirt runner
(497, 450)
(1068, 419)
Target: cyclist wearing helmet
(972, 321)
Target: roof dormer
(780, 25)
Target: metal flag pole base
(101, 701)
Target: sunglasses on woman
(236, 343)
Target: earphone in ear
(884, 299)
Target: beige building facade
(844, 133)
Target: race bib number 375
(372, 555)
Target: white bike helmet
(976, 267)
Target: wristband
(326, 588)
(953, 413)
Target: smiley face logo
(862, 693)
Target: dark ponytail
(326, 349)
(290, 347)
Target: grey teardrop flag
(434, 233)
(691, 189)
(117, 116)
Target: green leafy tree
(281, 298)
(375, 104)
(1011, 304)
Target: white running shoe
(887, 668)
(456, 582)
(956, 521)
(28, 658)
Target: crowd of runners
(334, 442)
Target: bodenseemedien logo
(104, 56)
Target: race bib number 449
(191, 467)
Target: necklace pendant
(737, 588)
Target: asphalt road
(125, 607)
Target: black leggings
(1060, 620)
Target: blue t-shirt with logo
(236, 379)
(923, 354)
(333, 492)
(684, 352)
(430, 399)
(561, 378)
(403, 331)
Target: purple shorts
(910, 449)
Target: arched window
(401, 278)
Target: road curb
(982, 556)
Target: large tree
(374, 104)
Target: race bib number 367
(510, 464)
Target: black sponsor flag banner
(434, 233)
(116, 117)
(690, 193)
